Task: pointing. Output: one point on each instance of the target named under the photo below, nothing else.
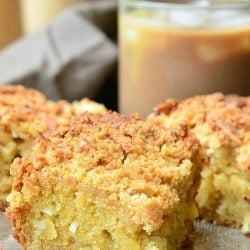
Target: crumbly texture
(106, 182)
(87, 105)
(24, 113)
(222, 125)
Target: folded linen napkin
(70, 58)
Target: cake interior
(66, 218)
(10, 148)
(224, 194)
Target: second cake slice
(222, 126)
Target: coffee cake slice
(106, 182)
(23, 113)
(222, 126)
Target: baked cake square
(222, 126)
(24, 113)
(106, 182)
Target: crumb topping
(28, 111)
(227, 117)
(144, 168)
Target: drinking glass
(178, 49)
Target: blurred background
(68, 49)
(22, 20)
(24, 17)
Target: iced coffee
(177, 51)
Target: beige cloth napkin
(68, 59)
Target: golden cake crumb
(222, 126)
(23, 113)
(106, 182)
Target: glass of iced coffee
(178, 49)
